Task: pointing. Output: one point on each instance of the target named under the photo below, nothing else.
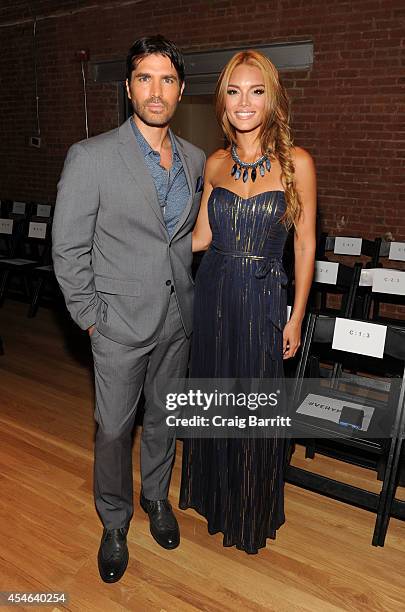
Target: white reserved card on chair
(6, 226)
(347, 246)
(37, 230)
(397, 251)
(44, 210)
(386, 280)
(359, 337)
(330, 409)
(326, 272)
(18, 208)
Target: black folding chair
(368, 250)
(11, 233)
(33, 250)
(350, 249)
(42, 213)
(18, 210)
(381, 399)
(390, 291)
(327, 446)
(334, 278)
(13, 225)
(42, 277)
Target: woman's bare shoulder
(301, 157)
(218, 156)
(215, 160)
(305, 172)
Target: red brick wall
(349, 110)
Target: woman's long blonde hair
(275, 134)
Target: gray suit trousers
(121, 372)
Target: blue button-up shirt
(171, 185)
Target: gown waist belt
(272, 267)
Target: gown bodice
(247, 225)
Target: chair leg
(389, 484)
(3, 285)
(310, 449)
(32, 311)
(289, 451)
(367, 306)
(379, 530)
(376, 309)
(388, 497)
(26, 287)
(380, 469)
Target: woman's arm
(304, 248)
(202, 235)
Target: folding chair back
(34, 249)
(362, 411)
(386, 283)
(333, 278)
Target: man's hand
(91, 330)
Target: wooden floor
(322, 559)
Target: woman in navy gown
(254, 191)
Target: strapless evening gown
(239, 315)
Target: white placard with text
(44, 210)
(19, 208)
(326, 272)
(329, 408)
(359, 337)
(386, 280)
(37, 230)
(6, 226)
(397, 251)
(347, 246)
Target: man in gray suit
(127, 202)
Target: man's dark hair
(155, 44)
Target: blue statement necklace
(241, 168)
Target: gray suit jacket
(112, 254)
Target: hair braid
(282, 150)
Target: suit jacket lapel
(134, 161)
(185, 160)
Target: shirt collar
(144, 145)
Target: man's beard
(154, 119)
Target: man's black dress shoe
(113, 554)
(163, 523)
